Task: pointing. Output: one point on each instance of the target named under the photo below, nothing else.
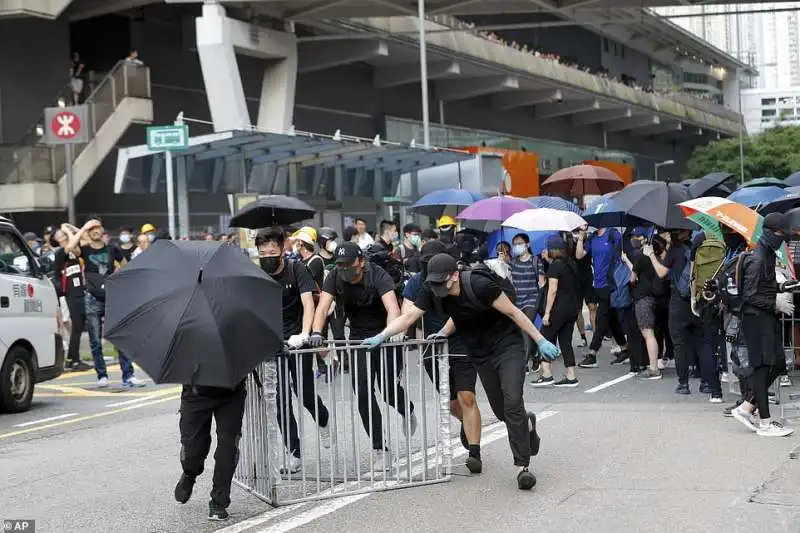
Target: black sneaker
(682, 388)
(566, 382)
(590, 361)
(217, 512)
(622, 357)
(525, 479)
(542, 381)
(463, 436)
(183, 490)
(474, 465)
(727, 410)
(536, 441)
(79, 366)
(705, 388)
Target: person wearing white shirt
(363, 239)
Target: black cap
(348, 252)
(430, 249)
(778, 222)
(440, 268)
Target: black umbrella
(709, 185)
(272, 210)
(194, 312)
(781, 205)
(793, 180)
(654, 203)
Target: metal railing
(32, 161)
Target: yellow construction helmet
(305, 234)
(445, 220)
(147, 228)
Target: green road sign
(160, 138)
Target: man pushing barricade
(489, 324)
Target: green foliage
(775, 152)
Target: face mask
(125, 238)
(636, 243)
(446, 235)
(296, 249)
(270, 264)
(395, 237)
(331, 246)
(732, 240)
(519, 249)
(151, 237)
(349, 274)
(416, 241)
(771, 240)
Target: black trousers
(665, 346)
(637, 349)
(709, 350)
(371, 369)
(77, 316)
(683, 326)
(605, 320)
(762, 333)
(502, 374)
(197, 410)
(560, 330)
(288, 382)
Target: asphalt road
(630, 456)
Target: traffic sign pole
(70, 186)
(166, 139)
(170, 194)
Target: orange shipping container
(522, 169)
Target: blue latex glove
(373, 342)
(548, 350)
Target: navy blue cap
(640, 231)
(556, 242)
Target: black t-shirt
(101, 260)
(412, 261)
(69, 274)
(316, 266)
(362, 301)
(483, 329)
(296, 280)
(128, 252)
(568, 292)
(645, 275)
(675, 261)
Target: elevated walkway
(46, 9)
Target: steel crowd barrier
(305, 438)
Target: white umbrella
(544, 219)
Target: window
(768, 112)
(14, 256)
(605, 44)
(768, 101)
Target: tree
(775, 152)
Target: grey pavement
(631, 457)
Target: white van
(31, 349)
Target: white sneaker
(661, 364)
(773, 429)
(292, 466)
(747, 419)
(412, 421)
(133, 382)
(102, 383)
(725, 378)
(786, 381)
(325, 436)
(382, 461)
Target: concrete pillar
(276, 108)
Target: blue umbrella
(554, 202)
(600, 204)
(538, 239)
(433, 203)
(793, 180)
(754, 196)
(764, 182)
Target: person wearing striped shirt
(527, 275)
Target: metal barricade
(306, 438)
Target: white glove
(399, 337)
(784, 303)
(694, 308)
(647, 250)
(297, 341)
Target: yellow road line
(76, 392)
(87, 417)
(90, 372)
(85, 383)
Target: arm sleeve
(556, 270)
(329, 285)
(305, 283)
(383, 282)
(423, 299)
(316, 268)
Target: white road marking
(608, 384)
(491, 433)
(258, 520)
(43, 420)
(135, 400)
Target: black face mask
(270, 265)
(772, 240)
(733, 241)
(349, 274)
(447, 235)
(636, 243)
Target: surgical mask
(271, 264)
(416, 241)
(125, 238)
(772, 240)
(395, 237)
(296, 249)
(349, 274)
(331, 246)
(151, 237)
(519, 249)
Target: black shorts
(463, 374)
(645, 309)
(589, 294)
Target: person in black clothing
(297, 371)
(761, 327)
(198, 406)
(489, 325)
(70, 285)
(367, 294)
(412, 243)
(644, 300)
(560, 308)
(126, 243)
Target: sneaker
(79, 366)
(583, 343)
(773, 429)
(525, 479)
(382, 461)
(474, 465)
(542, 381)
(102, 383)
(536, 366)
(622, 357)
(614, 349)
(566, 383)
(725, 378)
(747, 419)
(535, 440)
(662, 364)
(292, 466)
(715, 398)
(772, 398)
(705, 388)
(463, 436)
(183, 490)
(650, 374)
(412, 422)
(325, 436)
(682, 388)
(133, 382)
(728, 410)
(669, 362)
(786, 381)
(590, 361)
(217, 512)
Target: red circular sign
(65, 125)
(30, 290)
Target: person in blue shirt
(605, 250)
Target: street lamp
(663, 163)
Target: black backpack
(380, 256)
(481, 269)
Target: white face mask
(125, 238)
(151, 237)
(331, 246)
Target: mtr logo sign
(66, 125)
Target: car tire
(16, 381)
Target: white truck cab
(31, 349)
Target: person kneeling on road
(489, 325)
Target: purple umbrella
(493, 210)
